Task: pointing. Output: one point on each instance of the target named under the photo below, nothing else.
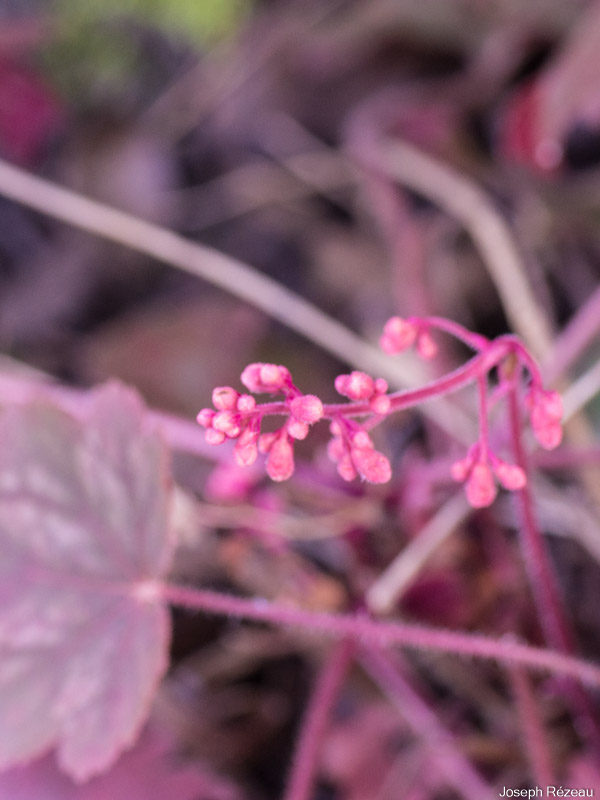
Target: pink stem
(492, 353)
(185, 435)
(473, 340)
(384, 634)
(490, 356)
(543, 580)
(306, 758)
(444, 750)
(407, 398)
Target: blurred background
(232, 122)
(246, 126)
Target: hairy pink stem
(491, 354)
(314, 725)
(543, 579)
(444, 750)
(544, 582)
(407, 398)
(473, 340)
(532, 731)
(384, 634)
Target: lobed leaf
(84, 541)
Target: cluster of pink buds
(400, 334)
(360, 386)
(352, 450)
(237, 416)
(545, 414)
(477, 471)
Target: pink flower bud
(245, 453)
(228, 422)
(426, 347)
(224, 398)
(545, 414)
(297, 429)
(205, 417)
(356, 386)
(266, 442)
(380, 404)
(362, 439)
(307, 408)
(248, 436)
(346, 469)
(549, 435)
(480, 488)
(250, 377)
(265, 377)
(214, 437)
(280, 462)
(246, 404)
(511, 476)
(336, 449)
(371, 465)
(271, 375)
(460, 469)
(398, 335)
(552, 405)
(381, 386)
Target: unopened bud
(280, 462)
(398, 335)
(224, 398)
(307, 408)
(481, 488)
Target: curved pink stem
(543, 579)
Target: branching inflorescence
(239, 417)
